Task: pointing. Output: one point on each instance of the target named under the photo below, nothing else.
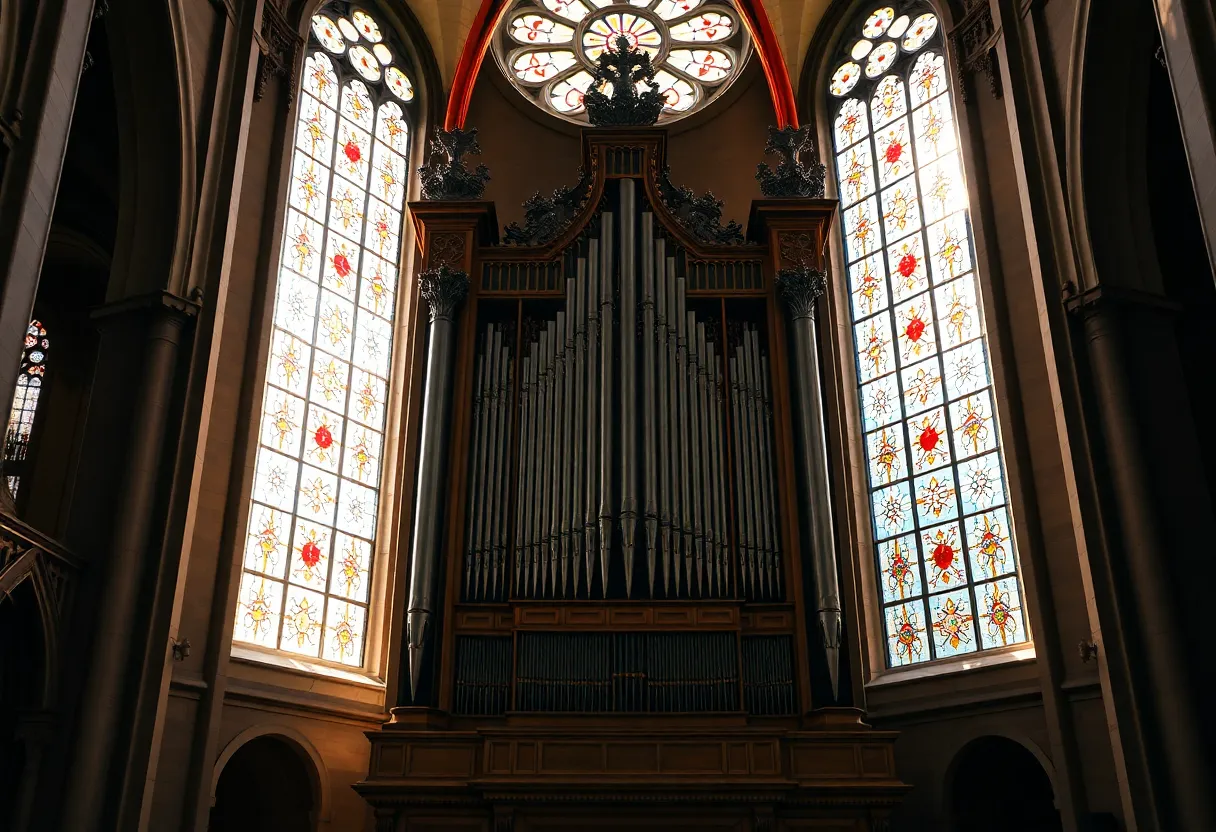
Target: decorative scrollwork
(975, 39)
(446, 250)
(798, 174)
(801, 289)
(443, 289)
(624, 67)
(279, 45)
(445, 176)
(797, 248)
(545, 218)
(701, 216)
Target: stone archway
(269, 782)
(997, 784)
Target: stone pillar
(1182, 782)
(443, 289)
(34, 127)
(114, 632)
(801, 289)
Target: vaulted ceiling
(447, 23)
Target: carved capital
(975, 39)
(279, 46)
(443, 289)
(801, 289)
(504, 819)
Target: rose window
(548, 48)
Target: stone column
(126, 557)
(34, 127)
(801, 289)
(443, 289)
(1171, 725)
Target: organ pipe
(443, 290)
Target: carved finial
(444, 176)
(624, 66)
(547, 217)
(700, 215)
(801, 288)
(798, 174)
(443, 289)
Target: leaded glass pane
(307, 556)
(947, 562)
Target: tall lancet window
(947, 566)
(312, 523)
(30, 380)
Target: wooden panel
(572, 758)
(877, 760)
(577, 617)
(441, 760)
(633, 758)
(537, 616)
(498, 757)
(765, 758)
(629, 616)
(692, 758)
(824, 761)
(390, 760)
(765, 621)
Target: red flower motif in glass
(907, 265)
(943, 556)
(352, 152)
(341, 265)
(915, 329)
(323, 437)
(310, 553)
(928, 439)
(894, 151)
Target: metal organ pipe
(662, 411)
(591, 513)
(574, 518)
(629, 425)
(607, 414)
(649, 402)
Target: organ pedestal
(623, 576)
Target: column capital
(801, 289)
(443, 289)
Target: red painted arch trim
(471, 55)
(771, 59)
(754, 17)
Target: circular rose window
(548, 48)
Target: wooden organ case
(615, 606)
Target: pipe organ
(629, 580)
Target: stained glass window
(30, 379)
(548, 48)
(307, 553)
(947, 564)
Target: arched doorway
(267, 784)
(998, 785)
(22, 671)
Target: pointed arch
(936, 494)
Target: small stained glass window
(548, 49)
(30, 381)
(939, 500)
(307, 553)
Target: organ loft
(534, 415)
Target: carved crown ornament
(445, 176)
(798, 174)
(279, 46)
(975, 38)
